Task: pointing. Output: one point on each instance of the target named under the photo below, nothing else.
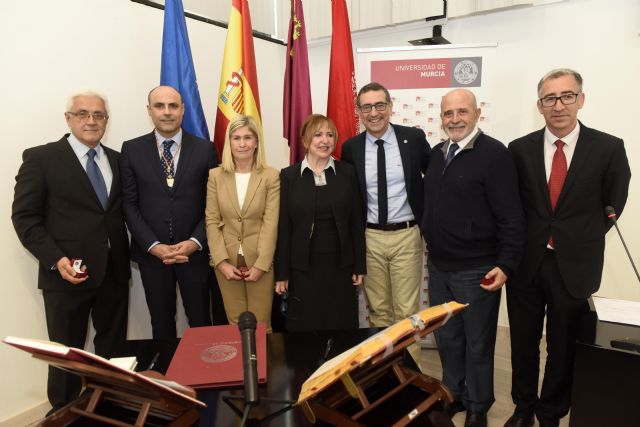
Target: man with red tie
(568, 174)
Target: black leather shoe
(544, 422)
(519, 421)
(453, 408)
(55, 409)
(476, 419)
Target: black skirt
(323, 297)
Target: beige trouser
(394, 272)
(240, 296)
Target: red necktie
(558, 173)
(557, 176)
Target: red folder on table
(211, 357)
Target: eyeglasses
(84, 115)
(379, 106)
(565, 98)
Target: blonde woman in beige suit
(243, 199)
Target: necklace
(169, 165)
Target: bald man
(474, 228)
(164, 183)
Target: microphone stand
(612, 215)
(248, 406)
(251, 397)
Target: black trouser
(159, 282)
(67, 314)
(527, 309)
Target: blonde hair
(241, 121)
(312, 124)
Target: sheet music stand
(121, 399)
(373, 387)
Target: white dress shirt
(550, 147)
(101, 158)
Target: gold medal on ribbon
(168, 165)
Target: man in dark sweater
(473, 224)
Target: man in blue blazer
(568, 174)
(164, 179)
(389, 161)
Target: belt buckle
(400, 225)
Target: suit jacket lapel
(254, 182)
(186, 151)
(537, 159)
(153, 157)
(115, 171)
(405, 155)
(228, 181)
(580, 155)
(72, 164)
(334, 188)
(358, 160)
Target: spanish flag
(238, 92)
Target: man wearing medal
(164, 180)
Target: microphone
(247, 325)
(611, 214)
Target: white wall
(48, 50)
(598, 38)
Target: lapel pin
(405, 141)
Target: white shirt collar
(177, 138)
(81, 149)
(305, 165)
(386, 137)
(571, 139)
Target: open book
(56, 350)
(382, 343)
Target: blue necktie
(96, 178)
(451, 154)
(167, 159)
(169, 174)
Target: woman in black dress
(320, 254)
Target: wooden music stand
(113, 395)
(368, 385)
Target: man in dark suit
(389, 161)
(568, 174)
(68, 205)
(164, 181)
(474, 228)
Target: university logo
(465, 72)
(218, 353)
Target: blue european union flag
(177, 68)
